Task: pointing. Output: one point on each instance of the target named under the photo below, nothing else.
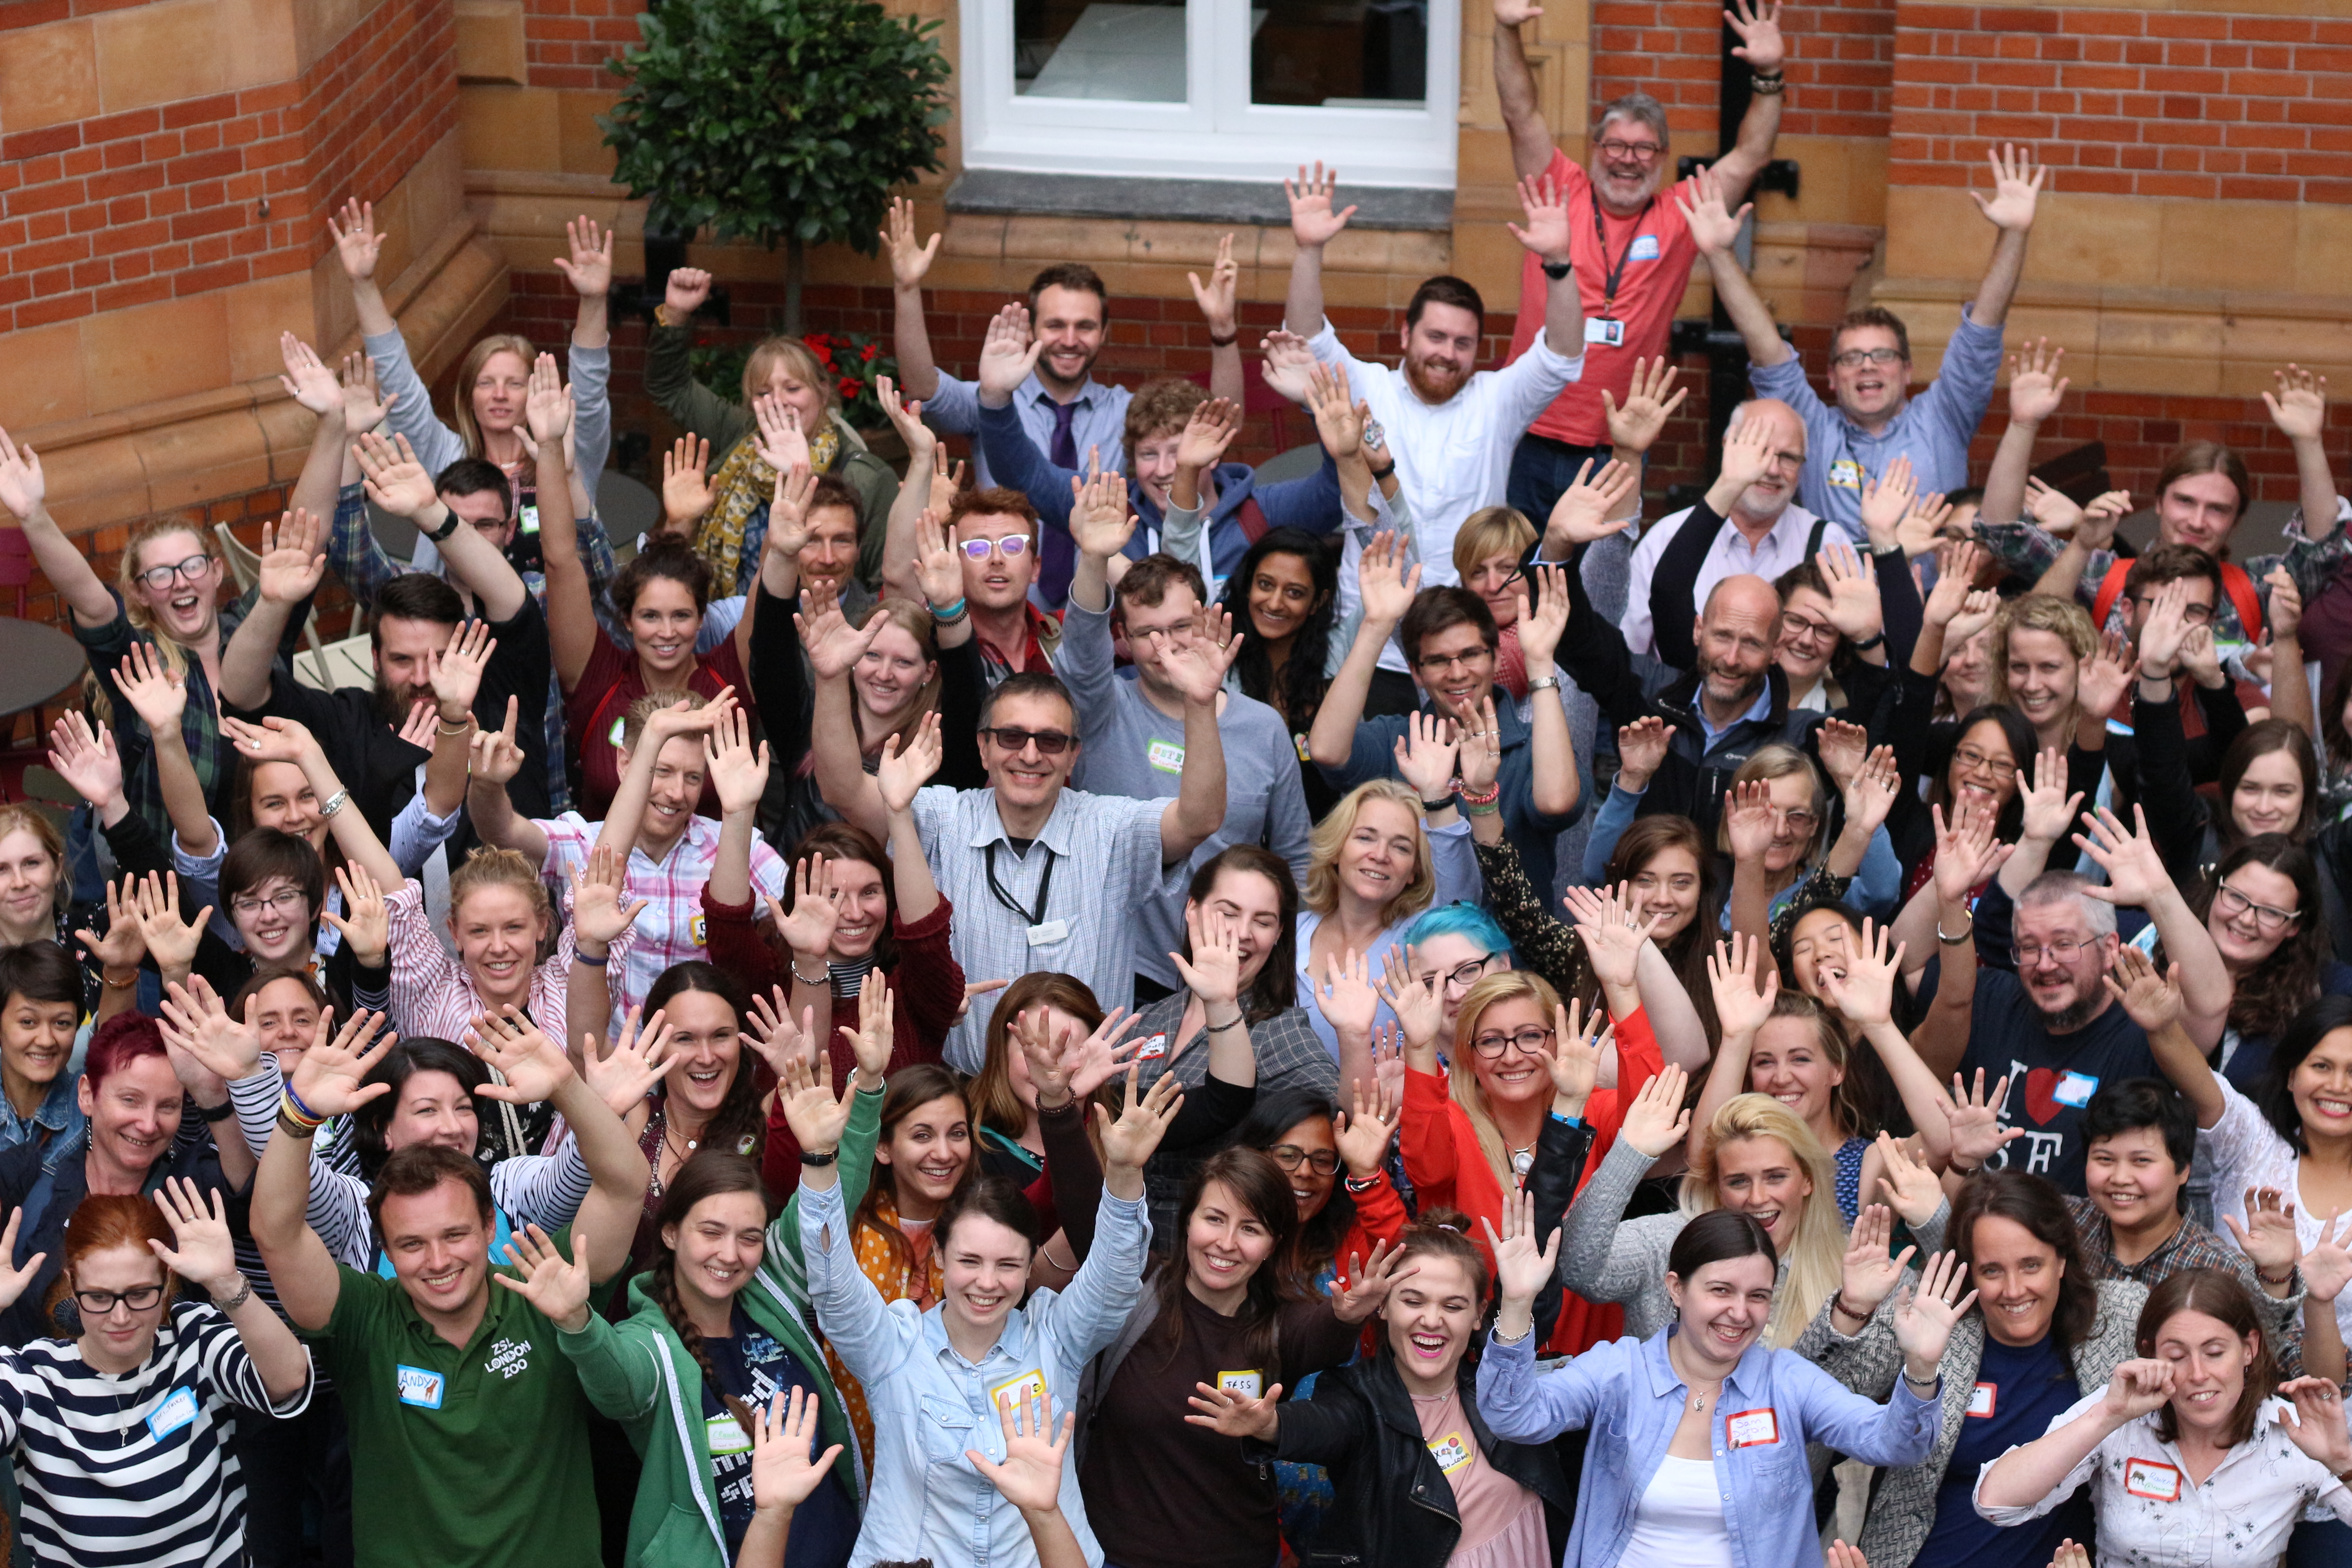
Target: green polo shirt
(461, 1457)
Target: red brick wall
(567, 42)
(2129, 102)
(160, 203)
(1840, 67)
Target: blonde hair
(2064, 618)
(1322, 893)
(135, 609)
(34, 821)
(1490, 531)
(633, 722)
(1816, 1258)
(470, 372)
(916, 621)
(1779, 761)
(488, 867)
(762, 362)
(1509, 985)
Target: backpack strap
(2240, 590)
(1252, 517)
(2111, 588)
(1813, 539)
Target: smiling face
(1070, 322)
(1310, 1186)
(2210, 1362)
(1431, 1316)
(1281, 597)
(1734, 639)
(997, 580)
(439, 1246)
(2269, 796)
(287, 1019)
(2198, 510)
(1455, 963)
(1820, 943)
(1796, 817)
(2322, 1086)
(676, 790)
(663, 624)
(1154, 467)
(1667, 883)
(124, 1336)
(1497, 580)
(928, 1152)
(432, 1107)
(134, 1115)
(805, 398)
(36, 1040)
(402, 647)
(891, 673)
(1028, 777)
(498, 927)
(2237, 920)
(275, 920)
(1456, 668)
(1377, 857)
(1790, 1063)
(2017, 1277)
(1224, 1244)
(1628, 162)
(706, 1051)
(1515, 1077)
(986, 1267)
(1807, 639)
(1983, 767)
(29, 885)
(498, 391)
(2063, 985)
(1252, 907)
(1868, 393)
(185, 608)
(718, 1247)
(1763, 1178)
(1724, 1306)
(830, 553)
(2131, 1177)
(1763, 502)
(2041, 672)
(864, 908)
(1153, 631)
(1440, 349)
(278, 796)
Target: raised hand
(1870, 794)
(1611, 933)
(2200, 660)
(1887, 501)
(835, 646)
(1100, 522)
(1515, 12)
(2299, 407)
(2016, 183)
(1966, 850)
(1479, 757)
(776, 1037)
(589, 268)
(686, 485)
(1854, 589)
(86, 758)
(909, 258)
(1545, 206)
(1635, 428)
(364, 403)
(738, 770)
(2284, 611)
(307, 380)
(2163, 630)
(2268, 1236)
(200, 1251)
(816, 1114)
(1871, 1274)
(901, 773)
(626, 1074)
(1102, 1056)
(2327, 1265)
(330, 1078)
(1908, 1185)
(1215, 297)
(495, 756)
(1741, 1005)
(1290, 363)
(2035, 387)
(171, 941)
(806, 930)
(533, 1066)
(357, 243)
(1197, 669)
(2318, 1428)
(1229, 1413)
(557, 1287)
(395, 480)
(2135, 867)
(1541, 623)
(1585, 508)
(1578, 1045)
(2151, 997)
(1007, 354)
(1419, 1004)
(1363, 1133)
(455, 672)
(683, 295)
(1132, 1141)
(1924, 524)
(1924, 1316)
(938, 564)
(2105, 677)
(870, 1043)
(1370, 1280)
(1842, 748)
(2049, 810)
(2139, 1388)
(786, 1467)
(779, 441)
(1349, 1002)
(1522, 1269)
(1313, 224)
(1974, 1117)
(1641, 752)
(1213, 973)
(600, 908)
(291, 561)
(1747, 453)
(1657, 1121)
(1339, 418)
(1424, 755)
(22, 484)
(1384, 585)
(1713, 225)
(547, 405)
(1749, 818)
(1761, 44)
(195, 1025)
(122, 947)
(16, 1277)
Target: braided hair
(707, 1173)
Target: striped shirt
(1102, 852)
(136, 1470)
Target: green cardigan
(639, 1374)
(670, 380)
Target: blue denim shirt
(929, 1404)
(59, 1115)
(1628, 1394)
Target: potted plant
(777, 119)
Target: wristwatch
(1555, 270)
(1543, 683)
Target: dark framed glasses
(1049, 743)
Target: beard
(1750, 685)
(392, 703)
(2069, 1018)
(1435, 384)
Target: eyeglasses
(285, 901)
(1801, 820)
(1011, 547)
(1854, 358)
(1050, 742)
(2195, 615)
(98, 1303)
(1971, 760)
(1531, 1041)
(1448, 660)
(1644, 151)
(1290, 1157)
(1795, 626)
(193, 569)
(2029, 953)
(2229, 903)
(1462, 977)
(1148, 635)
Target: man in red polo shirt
(1632, 251)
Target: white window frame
(1217, 135)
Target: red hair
(103, 1221)
(119, 1041)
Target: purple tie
(1058, 560)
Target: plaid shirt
(2029, 551)
(433, 995)
(109, 646)
(2190, 1246)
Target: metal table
(37, 663)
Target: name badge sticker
(1644, 249)
(1753, 1428)
(1152, 1050)
(697, 931)
(1982, 1399)
(2153, 1479)
(2075, 1088)
(1045, 934)
(1604, 332)
(1451, 1453)
(726, 1436)
(1245, 1385)
(1168, 756)
(419, 1386)
(179, 1408)
(1021, 1391)
(1845, 474)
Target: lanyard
(1045, 886)
(1600, 242)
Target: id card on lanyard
(1041, 931)
(1605, 329)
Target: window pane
(1340, 54)
(1071, 48)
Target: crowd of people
(1102, 1010)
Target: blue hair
(1461, 920)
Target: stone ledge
(1005, 193)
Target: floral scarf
(741, 492)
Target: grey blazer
(1903, 1506)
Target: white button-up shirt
(1729, 556)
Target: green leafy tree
(777, 121)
